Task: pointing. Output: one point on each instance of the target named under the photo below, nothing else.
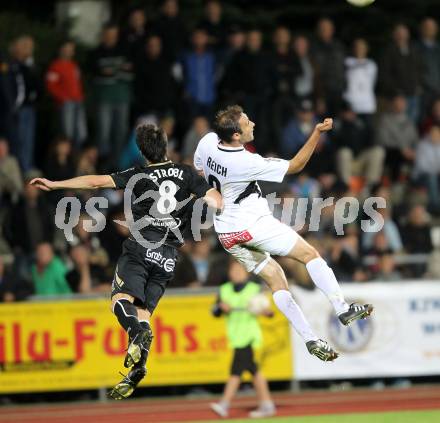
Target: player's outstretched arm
(214, 199)
(298, 162)
(80, 182)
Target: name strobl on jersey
(171, 172)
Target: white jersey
(234, 172)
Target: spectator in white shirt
(361, 76)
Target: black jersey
(161, 199)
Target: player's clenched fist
(325, 126)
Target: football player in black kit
(159, 194)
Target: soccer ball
(360, 3)
(258, 304)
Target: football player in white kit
(247, 229)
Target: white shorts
(253, 247)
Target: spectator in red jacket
(63, 81)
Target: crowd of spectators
(385, 142)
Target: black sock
(145, 326)
(126, 313)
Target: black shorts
(144, 273)
(243, 360)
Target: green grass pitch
(388, 417)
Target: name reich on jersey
(165, 191)
(234, 171)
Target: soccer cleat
(128, 384)
(322, 350)
(141, 342)
(219, 409)
(355, 312)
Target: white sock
(287, 305)
(324, 278)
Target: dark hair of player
(226, 123)
(152, 141)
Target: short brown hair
(226, 122)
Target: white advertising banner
(402, 337)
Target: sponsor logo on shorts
(156, 257)
(230, 239)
